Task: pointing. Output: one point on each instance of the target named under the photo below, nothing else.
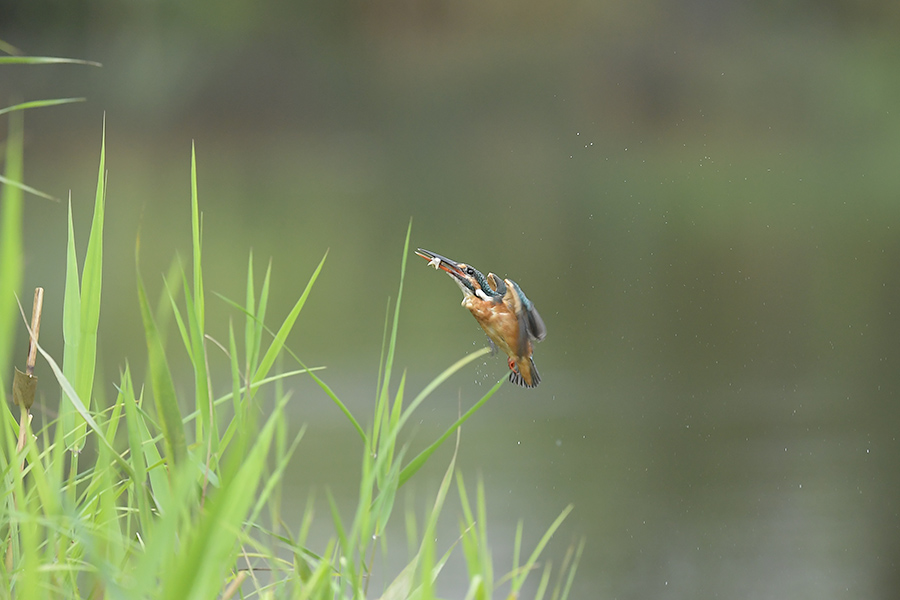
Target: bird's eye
(470, 271)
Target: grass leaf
(278, 343)
(519, 580)
(70, 421)
(26, 188)
(45, 60)
(11, 253)
(80, 407)
(416, 463)
(164, 396)
(39, 104)
(201, 564)
(392, 344)
(85, 352)
(136, 441)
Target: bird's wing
(531, 325)
(535, 324)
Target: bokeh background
(702, 199)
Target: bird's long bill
(441, 262)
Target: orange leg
(512, 364)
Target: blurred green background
(701, 198)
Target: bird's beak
(440, 262)
(451, 267)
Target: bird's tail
(525, 373)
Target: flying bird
(508, 317)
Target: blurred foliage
(699, 197)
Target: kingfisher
(507, 316)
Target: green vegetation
(143, 497)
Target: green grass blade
(487, 565)
(45, 60)
(319, 583)
(70, 421)
(517, 545)
(344, 556)
(162, 537)
(30, 549)
(325, 388)
(363, 525)
(194, 342)
(384, 338)
(196, 307)
(276, 475)
(179, 320)
(343, 407)
(27, 188)
(160, 485)
(399, 588)
(135, 446)
(570, 576)
(542, 586)
(386, 447)
(381, 391)
(228, 396)
(164, 396)
(467, 528)
(416, 463)
(82, 410)
(39, 104)
(11, 262)
(426, 551)
(278, 343)
(91, 284)
(40, 474)
(391, 436)
(423, 561)
(196, 239)
(392, 344)
(383, 506)
(201, 566)
(251, 340)
(235, 380)
(168, 299)
(519, 580)
(8, 48)
(259, 323)
(476, 588)
(307, 520)
(114, 420)
(438, 381)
